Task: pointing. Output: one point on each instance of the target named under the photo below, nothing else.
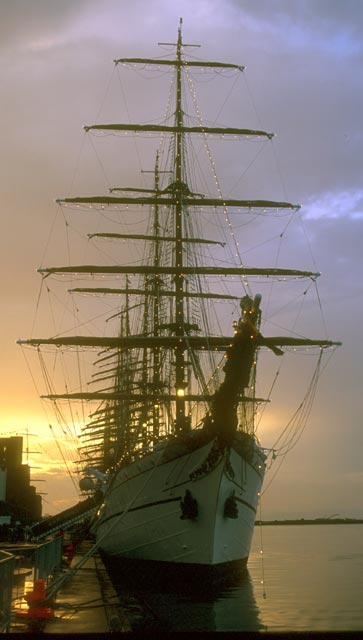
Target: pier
(80, 598)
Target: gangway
(66, 519)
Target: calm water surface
(308, 578)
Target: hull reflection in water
(170, 598)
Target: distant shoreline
(309, 521)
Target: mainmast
(181, 425)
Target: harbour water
(300, 578)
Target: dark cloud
(22, 20)
(329, 19)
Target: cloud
(348, 204)
(26, 21)
(62, 503)
(328, 26)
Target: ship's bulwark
(179, 504)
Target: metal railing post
(47, 557)
(7, 566)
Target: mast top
(179, 61)
(180, 42)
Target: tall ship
(168, 424)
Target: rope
(262, 553)
(58, 582)
(297, 424)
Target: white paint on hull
(141, 516)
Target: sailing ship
(170, 445)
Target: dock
(85, 601)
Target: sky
(305, 73)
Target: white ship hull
(142, 518)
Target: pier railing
(47, 558)
(7, 566)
